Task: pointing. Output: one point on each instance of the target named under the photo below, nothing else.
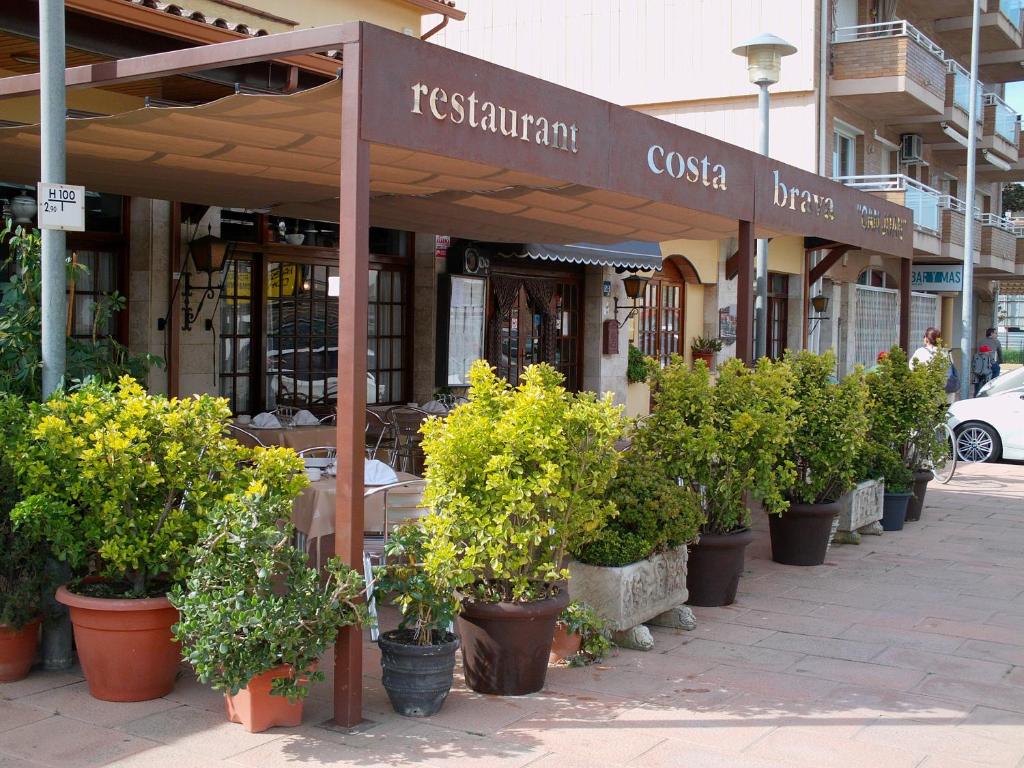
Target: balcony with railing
(1000, 28)
(958, 98)
(1000, 129)
(999, 238)
(922, 200)
(889, 70)
(953, 213)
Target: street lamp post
(764, 62)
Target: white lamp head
(764, 57)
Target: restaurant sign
(937, 278)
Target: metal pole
(967, 316)
(56, 646)
(761, 264)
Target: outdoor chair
(285, 414)
(319, 452)
(405, 423)
(235, 431)
(401, 505)
(378, 435)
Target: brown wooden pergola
(418, 137)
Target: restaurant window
(660, 322)
(875, 278)
(778, 315)
(535, 320)
(283, 350)
(844, 152)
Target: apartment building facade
(876, 96)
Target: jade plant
(120, 483)
(655, 512)
(22, 557)
(251, 602)
(725, 440)
(579, 618)
(829, 430)
(705, 345)
(425, 599)
(514, 477)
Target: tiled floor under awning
(907, 650)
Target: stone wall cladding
(952, 227)
(889, 57)
(924, 68)
(997, 242)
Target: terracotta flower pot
(800, 535)
(564, 645)
(257, 709)
(17, 650)
(715, 566)
(916, 503)
(505, 646)
(125, 646)
(707, 357)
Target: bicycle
(944, 465)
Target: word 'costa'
(803, 200)
(487, 116)
(886, 226)
(691, 168)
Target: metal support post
(967, 317)
(761, 264)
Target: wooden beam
(823, 266)
(745, 294)
(187, 60)
(354, 270)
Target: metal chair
(330, 419)
(319, 452)
(402, 504)
(405, 427)
(234, 429)
(377, 435)
(285, 414)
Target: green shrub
(578, 618)
(251, 602)
(655, 513)
(120, 483)
(22, 557)
(725, 440)
(638, 367)
(830, 428)
(515, 477)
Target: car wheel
(976, 441)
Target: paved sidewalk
(906, 650)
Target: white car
(989, 428)
(1011, 381)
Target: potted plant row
(515, 476)
(255, 617)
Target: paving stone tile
(738, 634)
(859, 672)
(62, 741)
(982, 649)
(770, 684)
(597, 741)
(676, 753)
(11, 761)
(40, 680)
(17, 714)
(903, 638)
(945, 664)
(989, 694)
(969, 630)
(817, 748)
(194, 730)
(162, 756)
(852, 650)
(74, 701)
(942, 740)
(805, 625)
(1001, 725)
(753, 656)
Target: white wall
(634, 52)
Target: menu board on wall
(467, 305)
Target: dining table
(313, 511)
(296, 438)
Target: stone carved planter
(860, 512)
(651, 591)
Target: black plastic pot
(505, 646)
(800, 534)
(916, 504)
(714, 567)
(416, 677)
(894, 510)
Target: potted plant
(726, 441)
(255, 617)
(22, 560)
(705, 348)
(120, 484)
(634, 569)
(513, 477)
(828, 433)
(638, 371)
(417, 659)
(580, 636)
(925, 443)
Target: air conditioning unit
(911, 148)
(475, 263)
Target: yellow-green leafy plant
(830, 428)
(120, 482)
(514, 478)
(727, 439)
(251, 602)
